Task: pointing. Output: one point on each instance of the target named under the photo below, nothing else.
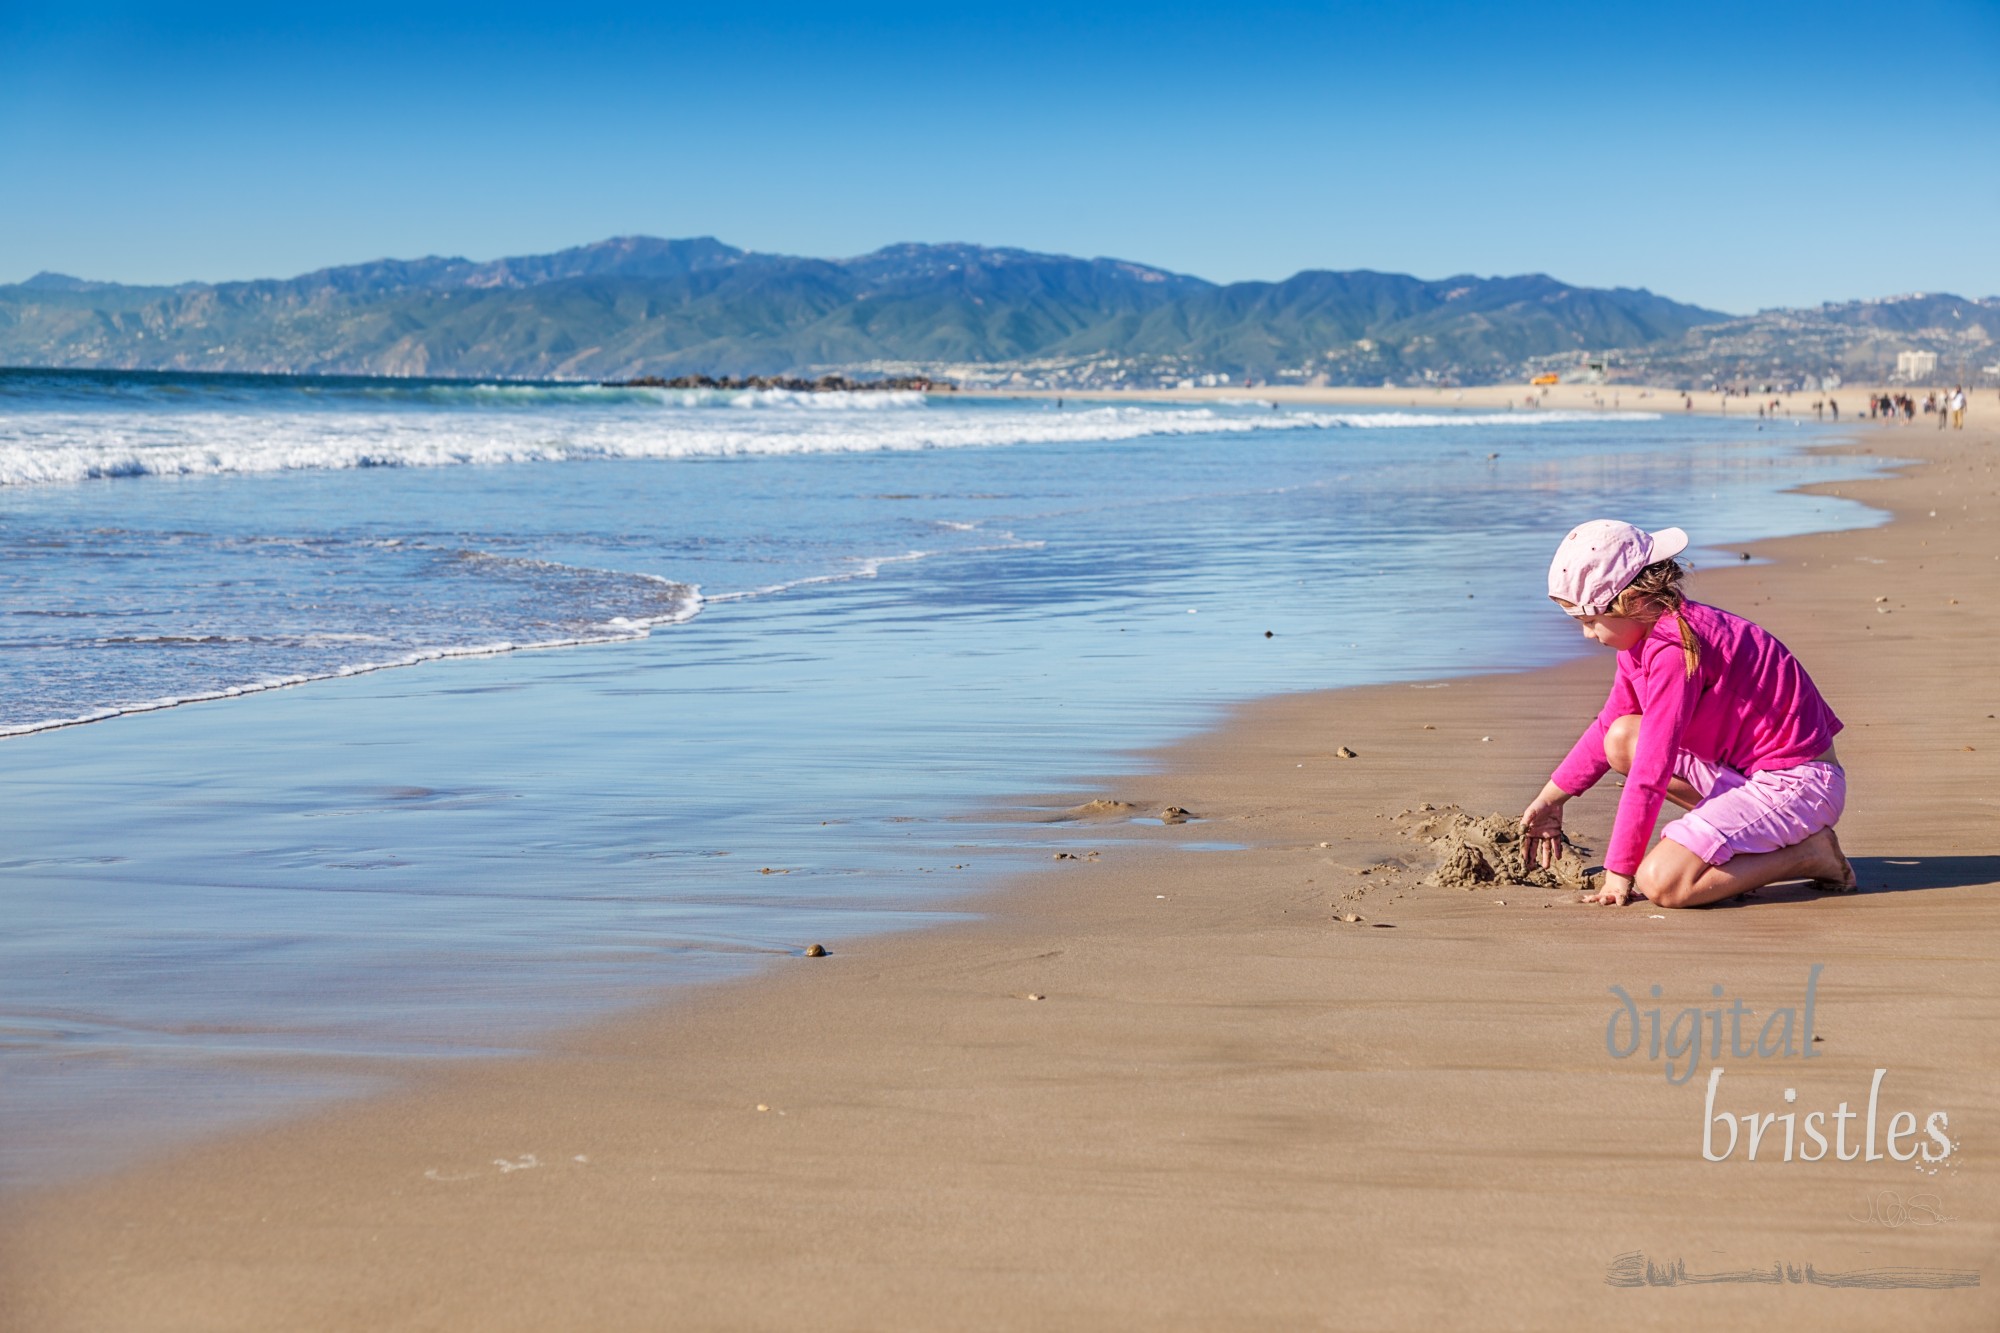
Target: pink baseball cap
(1596, 562)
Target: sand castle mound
(1098, 809)
(1474, 852)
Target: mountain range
(634, 306)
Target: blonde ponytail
(1690, 646)
(1656, 592)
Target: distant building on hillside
(1916, 365)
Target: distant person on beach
(1958, 408)
(1707, 710)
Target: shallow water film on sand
(792, 641)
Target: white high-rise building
(1915, 365)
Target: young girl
(1707, 711)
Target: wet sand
(1173, 1087)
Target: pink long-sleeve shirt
(1749, 705)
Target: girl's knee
(1621, 742)
(1668, 881)
(1659, 889)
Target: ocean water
(424, 718)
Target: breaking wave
(60, 444)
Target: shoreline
(211, 899)
(940, 1149)
(1567, 397)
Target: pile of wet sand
(1480, 851)
(1100, 809)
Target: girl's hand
(1542, 826)
(1616, 890)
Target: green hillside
(642, 306)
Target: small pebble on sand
(1174, 814)
(1033, 996)
(815, 951)
(1350, 918)
(1344, 753)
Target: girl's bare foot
(1831, 872)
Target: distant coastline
(977, 317)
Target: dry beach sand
(1176, 1088)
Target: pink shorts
(1761, 812)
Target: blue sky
(1732, 155)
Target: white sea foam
(868, 567)
(865, 568)
(39, 447)
(683, 603)
(546, 395)
(686, 601)
(618, 629)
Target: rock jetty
(824, 384)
